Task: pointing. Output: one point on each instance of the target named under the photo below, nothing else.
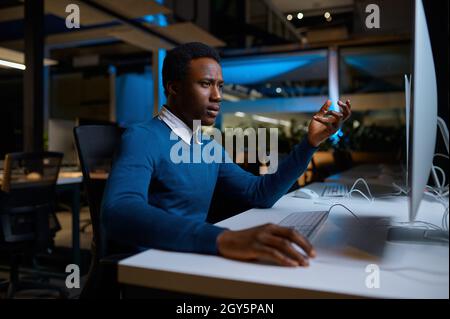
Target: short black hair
(177, 60)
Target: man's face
(201, 91)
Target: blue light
(149, 18)
(134, 100)
(254, 70)
(336, 136)
(134, 92)
(158, 19)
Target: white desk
(344, 249)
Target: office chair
(96, 146)
(83, 121)
(27, 219)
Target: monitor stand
(417, 235)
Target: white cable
(367, 187)
(437, 197)
(433, 226)
(430, 225)
(440, 198)
(401, 189)
(334, 205)
(431, 188)
(434, 168)
(358, 191)
(442, 155)
(436, 180)
(443, 175)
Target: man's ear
(172, 88)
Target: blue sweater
(149, 201)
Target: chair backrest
(30, 170)
(96, 145)
(27, 195)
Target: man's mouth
(213, 111)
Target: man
(150, 201)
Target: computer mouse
(306, 193)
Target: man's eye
(205, 84)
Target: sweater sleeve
(264, 191)
(127, 215)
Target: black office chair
(96, 146)
(27, 218)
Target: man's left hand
(325, 123)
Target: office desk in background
(345, 252)
(71, 182)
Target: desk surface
(63, 178)
(344, 250)
(69, 178)
(373, 174)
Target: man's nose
(216, 94)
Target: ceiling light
(327, 15)
(12, 65)
(16, 59)
(299, 15)
(289, 17)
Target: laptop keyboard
(306, 223)
(334, 190)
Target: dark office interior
(281, 59)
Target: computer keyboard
(306, 223)
(335, 190)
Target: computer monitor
(407, 115)
(60, 139)
(422, 128)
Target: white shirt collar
(179, 127)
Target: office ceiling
(115, 42)
(287, 6)
(101, 34)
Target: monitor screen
(60, 139)
(423, 112)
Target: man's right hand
(268, 242)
